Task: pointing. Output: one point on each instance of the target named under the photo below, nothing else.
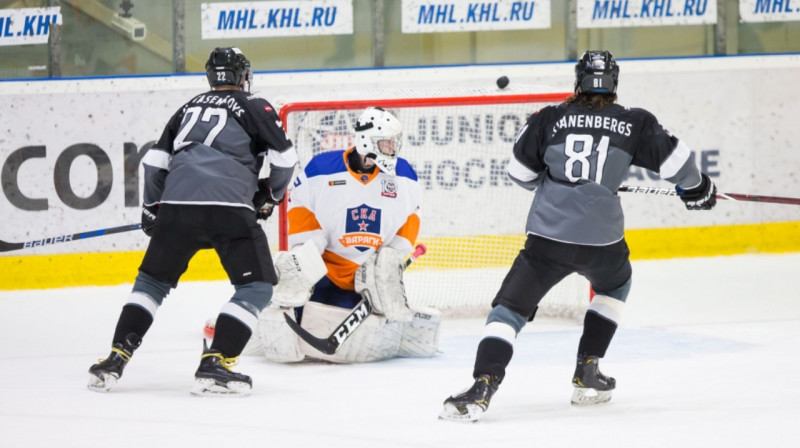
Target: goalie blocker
(392, 330)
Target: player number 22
(578, 147)
(193, 114)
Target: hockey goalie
(353, 219)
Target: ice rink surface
(706, 356)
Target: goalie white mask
(379, 136)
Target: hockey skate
(591, 386)
(214, 377)
(104, 375)
(468, 406)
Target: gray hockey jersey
(212, 150)
(576, 159)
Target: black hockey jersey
(212, 150)
(576, 158)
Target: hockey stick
(356, 317)
(6, 246)
(728, 196)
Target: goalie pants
(233, 232)
(544, 262)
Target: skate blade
(469, 413)
(206, 387)
(584, 396)
(103, 384)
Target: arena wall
(70, 152)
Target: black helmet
(596, 71)
(227, 67)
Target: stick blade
(323, 345)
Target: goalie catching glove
(299, 269)
(380, 280)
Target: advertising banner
(271, 19)
(432, 16)
(27, 26)
(71, 160)
(627, 13)
(769, 10)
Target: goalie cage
(473, 216)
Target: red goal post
(473, 216)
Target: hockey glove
(263, 200)
(264, 212)
(149, 213)
(701, 197)
(299, 269)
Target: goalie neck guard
(379, 136)
(596, 72)
(228, 67)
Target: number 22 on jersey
(193, 114)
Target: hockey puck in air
(502, 82)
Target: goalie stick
(728, 196)
(353, 320)
(5, 246)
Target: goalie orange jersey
(350, 215)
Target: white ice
(706, 356)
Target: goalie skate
(591, 386)
(214, 377)
(469, 406)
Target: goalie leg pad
(420, 337)
(380, 280)
(277, 339)
(298, 271)
(375, 339)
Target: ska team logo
(362, 228)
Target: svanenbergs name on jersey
(446, 173)
(594, 121)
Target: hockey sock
(132, 319)
(597, 334)
(493, 356)
(230, 336)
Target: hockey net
(473, 216)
